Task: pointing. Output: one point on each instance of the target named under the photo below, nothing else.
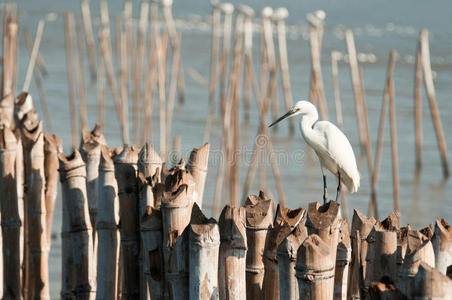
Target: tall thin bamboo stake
(343, 258)
(124, 76)
(279, 16)
(101, 93)
(286, 220)
(107, 227)
(79, 61)
(227, 9)
(38, 80)
(29, 44)
(72, 175)
(418, 74)
(233, 247)
(126, 176)
(127, 42)
(197, 166)
(33, 140)
(52, 146)
(430, 89)
(259, 218)
(204, 243)
(138, 68)
(11, 220)
(442, 245)
(9, 69)
(315, 269)
(162, 95)
(173, 86)
(33, 56)
(337, 96)
(69, 39)
(67, 259)
(287, 258)
(89, 36)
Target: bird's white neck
(306, 124)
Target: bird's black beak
(288, 114)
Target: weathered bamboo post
(73, 179)
(343, 258)
(29, 44)
(279, 15)
(90, 149)
(173, 85)
(67, 260)
(227, 9)
(286, 220)
(107, 227)
(442, 245)
(52, 146)
(79, 61)
(33, 143)
(90, 43)
(402, 242)
(418, 74)
(126, 176)
(11, 218)
(315, 269)
(33, 56)
(325, 221)
(176, 211)
(233, 247)
(287, 258)
(161, 83)
(361, 227)
(429, 283)
(335, 56)
(197, 166)
(419, 249)
(430, 90)
(204, 244)
(101, 93)
(149, 168)
(259, 219)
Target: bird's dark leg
(338, 186)
(325, 191)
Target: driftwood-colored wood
(429, 283)
(107, 227)
(418, 74)
(152, 239)
(227, 9)
(126, 176)
(149, 167)
(315, 269)
(29, 44)
(384, 291)
(343, 258)
(89, 36)
(233, 248)
(75, 203)
(204, 244)
(442, 245)
(197, 166)
(33, 145)
(287, 258)
(286, 220)
(33, 56)
(52, 146)
(11, 217)
(259, 220)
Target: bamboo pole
(52, 146)
(343, 258)
(442, 245)
(101, 93)
(161, 65)
(233, 247)
(287, 258)
(126, 176)
(418, 74)
(335, 56)
(33, 143)
(259, 217)
(431, 284)
(9, 69)
(107, 228)
(286, 220)
(149, 168)
(20, 191)
(175, 154)
(39, 61)
(315, 269)
(173, 85)
(204, 244)
(73, 179)
(127, 41)
(124, 74)
(79, 61)
(430, 89)
(151, 236)
(138, 68)
(197, 166)
(33, 56)
(227, 9)
(67, 259)
(279, 15)
(89, 36)
(11, 220)
(361, 227)
(69, 39)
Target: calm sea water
(379, 26)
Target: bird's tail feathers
(351, 183)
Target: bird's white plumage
(330, 144)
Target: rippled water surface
(379, 26)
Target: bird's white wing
(334, 147)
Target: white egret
(329, 143)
